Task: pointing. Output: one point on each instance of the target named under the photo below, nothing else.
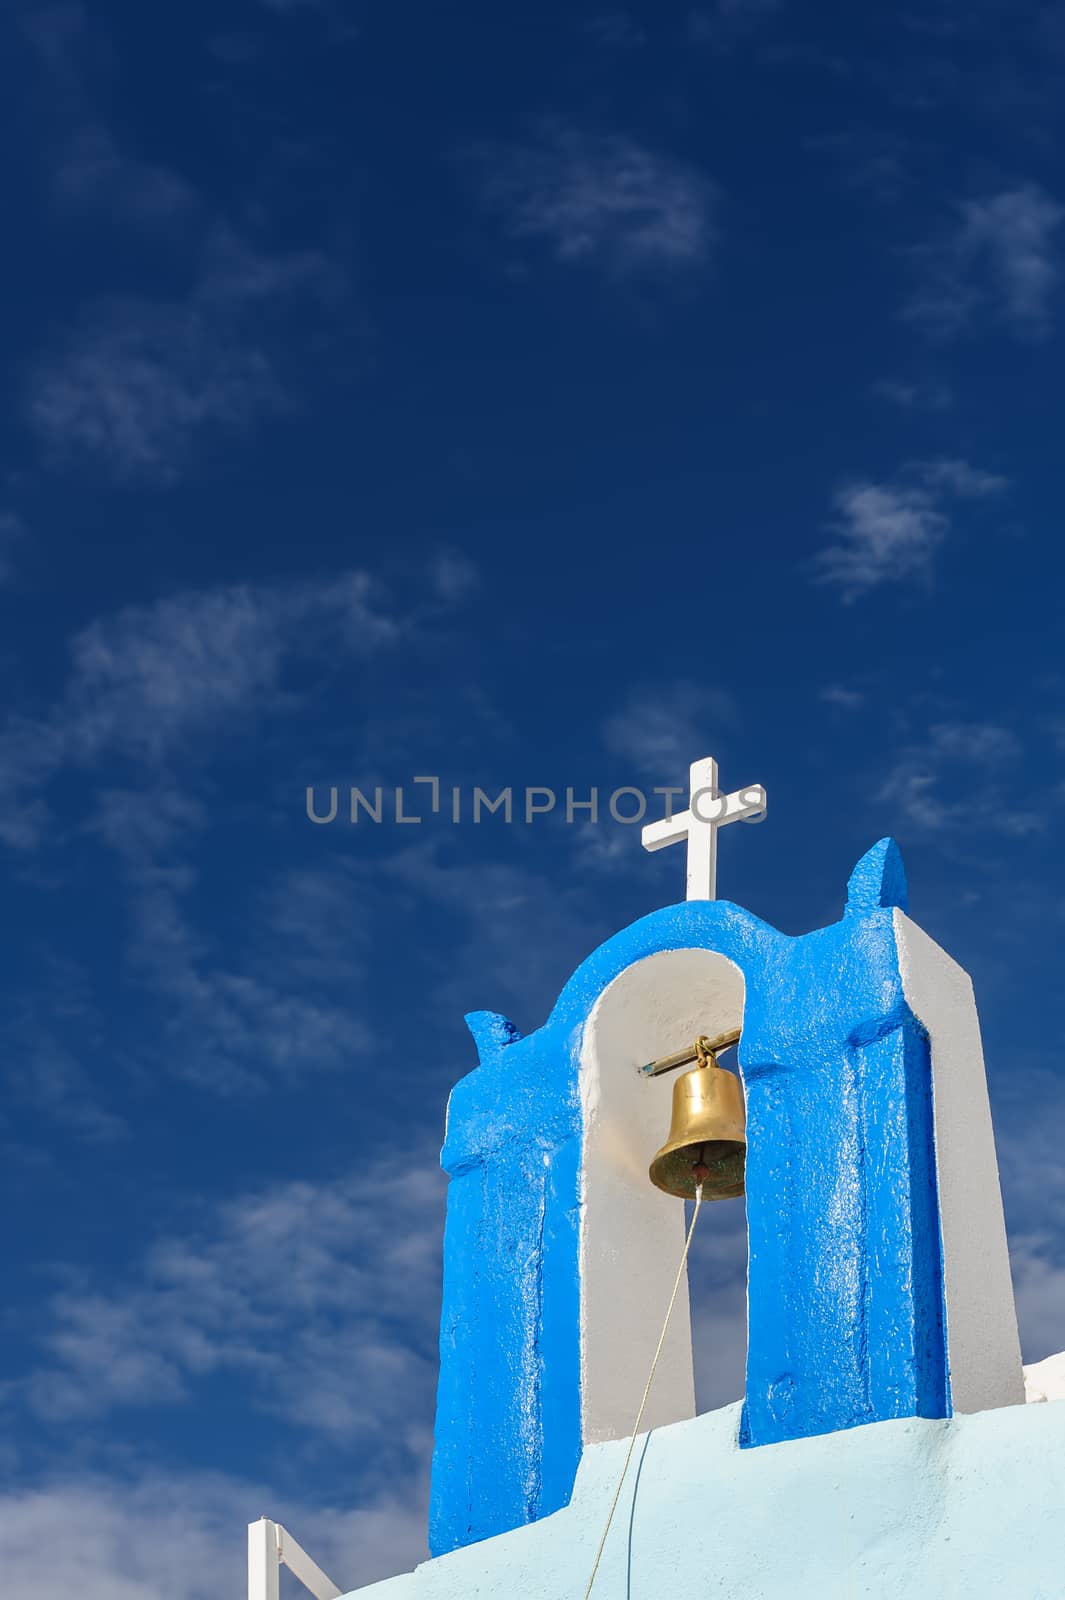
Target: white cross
(708, 811)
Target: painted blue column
(507, 1438)
(846, 1285)
(846, 1318)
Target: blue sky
(522, 395)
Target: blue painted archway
(846, 1319)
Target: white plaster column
(631, 1234)
(983, 1347)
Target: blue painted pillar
(507, 1438)
(846, 1318)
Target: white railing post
(268, 1545)
(264, 1563)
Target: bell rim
(732, 1192)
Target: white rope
(647, 1390)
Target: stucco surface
(970, 1506)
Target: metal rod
(684, 1058)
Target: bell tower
(878, 1284)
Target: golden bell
(707, 1129)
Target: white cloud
(884, 534)
(233, 1020)
(1000, 262)
(151, 679)
(557, 926)
(663, 729)
(1029, 1134)
(160, 1536)
(275, 999)
(148, 681)
(454, 575)
(30, 752)
(1039, 1287)
(319, 1313)
(959, 478)
(837, 694)
(888, 533)
(603, 200)
(915, 394)
(59, 33)
(282, 999)
(135, 381)
(48, 1076)
(154, 692)
(93, 173)
(956, 778)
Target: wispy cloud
(956, 777)
(554, 928)
(93, 173)
(145, 682)
(724, 22)
(601, 199)
(50, 1078)
(30, 753)
(154, 1535)
(959, 478)
(872, 161)
(132, 382)
(837, 694)
(455, 576)
(663, 729)
(59, 34)
(89, 170)
(296, 1292)
(915, 394)
(135, 382)
(154, 692)
(1039, 1287)
(891, 532)
(284, 1001)
(1029, 1131)
(999, 263)
(149, 677)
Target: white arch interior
(632, 1235)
